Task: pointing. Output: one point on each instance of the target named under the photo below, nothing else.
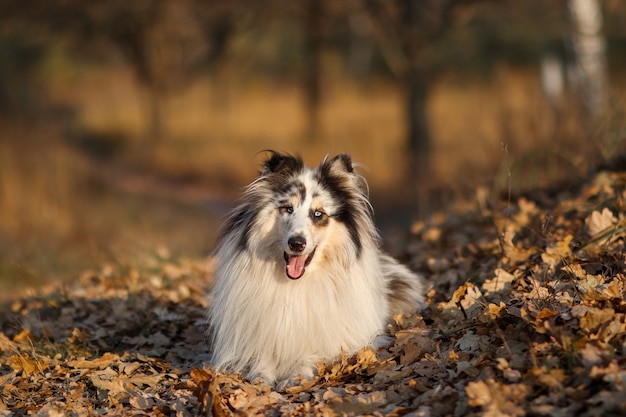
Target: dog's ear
(341, 164)
(341, 169)
(282, 163)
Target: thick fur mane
(300, 276)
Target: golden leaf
(595, 317)
(546, 313)
(555, 254)
(23, 336)
(514, 252)
(99, 363)
(27, 365)
(478, 393)
(494, 310)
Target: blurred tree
(20, 58)
(408, 29)
(312, 69)
(589, 48)
(130, 25)
(22, 51)
(166, 42)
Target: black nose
(297, 243)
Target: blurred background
(127, 128)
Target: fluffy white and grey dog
(300, 277)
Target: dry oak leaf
(514, 252)
(527, 210)
(511, 375)
(29, 366)
(597, 221)
(594, 287)
(464, 298)
(501, 281)
(553, 379)
(141, 401)
(496, 399)
(591, 355)
(616, 327)
(554, 254)
(109, 380)
(590, 317)
(613, 373)
(470, 342)
(6, 345)
(364, 403)
(493, 311)
(105, 361)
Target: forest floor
(526, 316)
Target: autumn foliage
(526, 317)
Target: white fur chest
(275, 328)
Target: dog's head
(318, 211)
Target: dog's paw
(307, 373)
(382, 342)
(288, 383)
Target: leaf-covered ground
(526, 317)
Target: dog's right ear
(282, 163)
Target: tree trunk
(155, 115)
(415, 81)
(590, 53)
(418, 132)
(312, 77)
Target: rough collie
(300, 277)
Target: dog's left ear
(341, 164)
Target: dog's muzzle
(297, 262)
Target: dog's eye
(285, 209)
(319, 217)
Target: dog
(300, 276)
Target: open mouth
(296, 264)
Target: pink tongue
(295, 266)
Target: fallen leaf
(542, 333)
(464, 298)
(469, 342)
(496, 399)
(598, 221)
(594, 317)
(29, 366)
(141, 401)
(106, 360)
(494, 310)
(500, 282)
(591, 355)
(557, 253)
